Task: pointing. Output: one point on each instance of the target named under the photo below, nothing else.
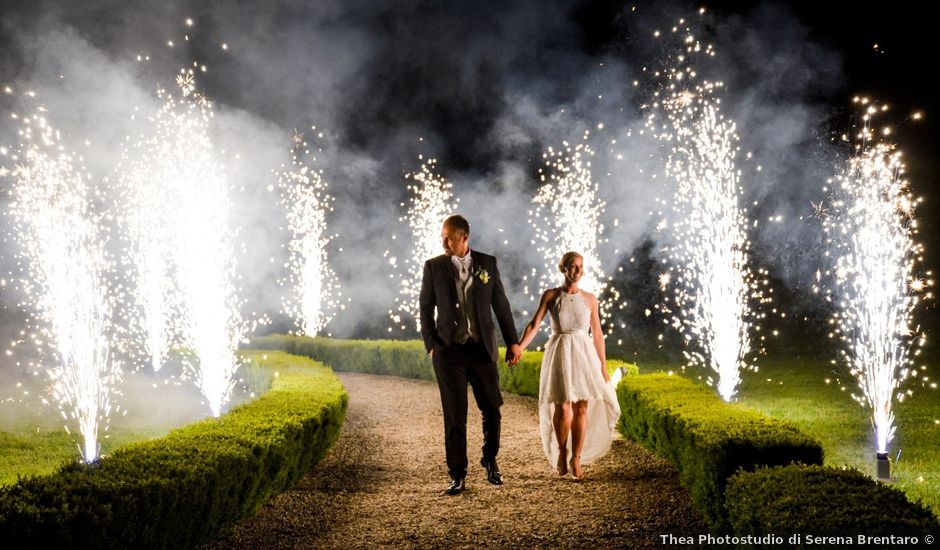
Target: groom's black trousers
(456, 365)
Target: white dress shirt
(463, 282)
(463, 266)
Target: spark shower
(63, 241)
(871, 230)
(175, 233)
(709, 274)
(168, 216)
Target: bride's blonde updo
(567, 259)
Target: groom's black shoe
(457, 486)
(492, 471)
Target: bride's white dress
(571, 371)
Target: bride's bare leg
(578, 431)
(561, 420)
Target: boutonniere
(482, 275)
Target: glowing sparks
(431, 202)
(664, 280)
(204, 252)
(871, 232)
(151, 170)
(819, 210)
(567, 217)
(181, 242)
(186, 82)
(175, 243)
(709, 257)
(314, 290)
(62, 239)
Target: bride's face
(574, 270)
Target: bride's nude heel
(562, 465)
(575, 465)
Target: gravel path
(380, 486)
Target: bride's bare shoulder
(550, 294)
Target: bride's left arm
(597, 335)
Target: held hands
(513, 354)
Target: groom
(464, 286)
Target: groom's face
(455, 241)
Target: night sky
(897, 72)
(485, 87)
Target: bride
(575, 397)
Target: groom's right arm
(426, 303)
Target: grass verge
(816, 396)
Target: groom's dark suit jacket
(439, 289)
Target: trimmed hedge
(405, 358)
(182, 490)
(820, 500)
(707, 439)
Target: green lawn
(796, 390)
(41, 447)
(31, 451)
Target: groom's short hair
(458, 222)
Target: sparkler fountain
(871, 230)
(712, 282)
(314, 290)
(204, 247)
(431, 203)
(181, 240)
(62, 238)
(566, 217)
(154, 173)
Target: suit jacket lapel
(477, 284)
(451, 269)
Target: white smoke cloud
(485, 89)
